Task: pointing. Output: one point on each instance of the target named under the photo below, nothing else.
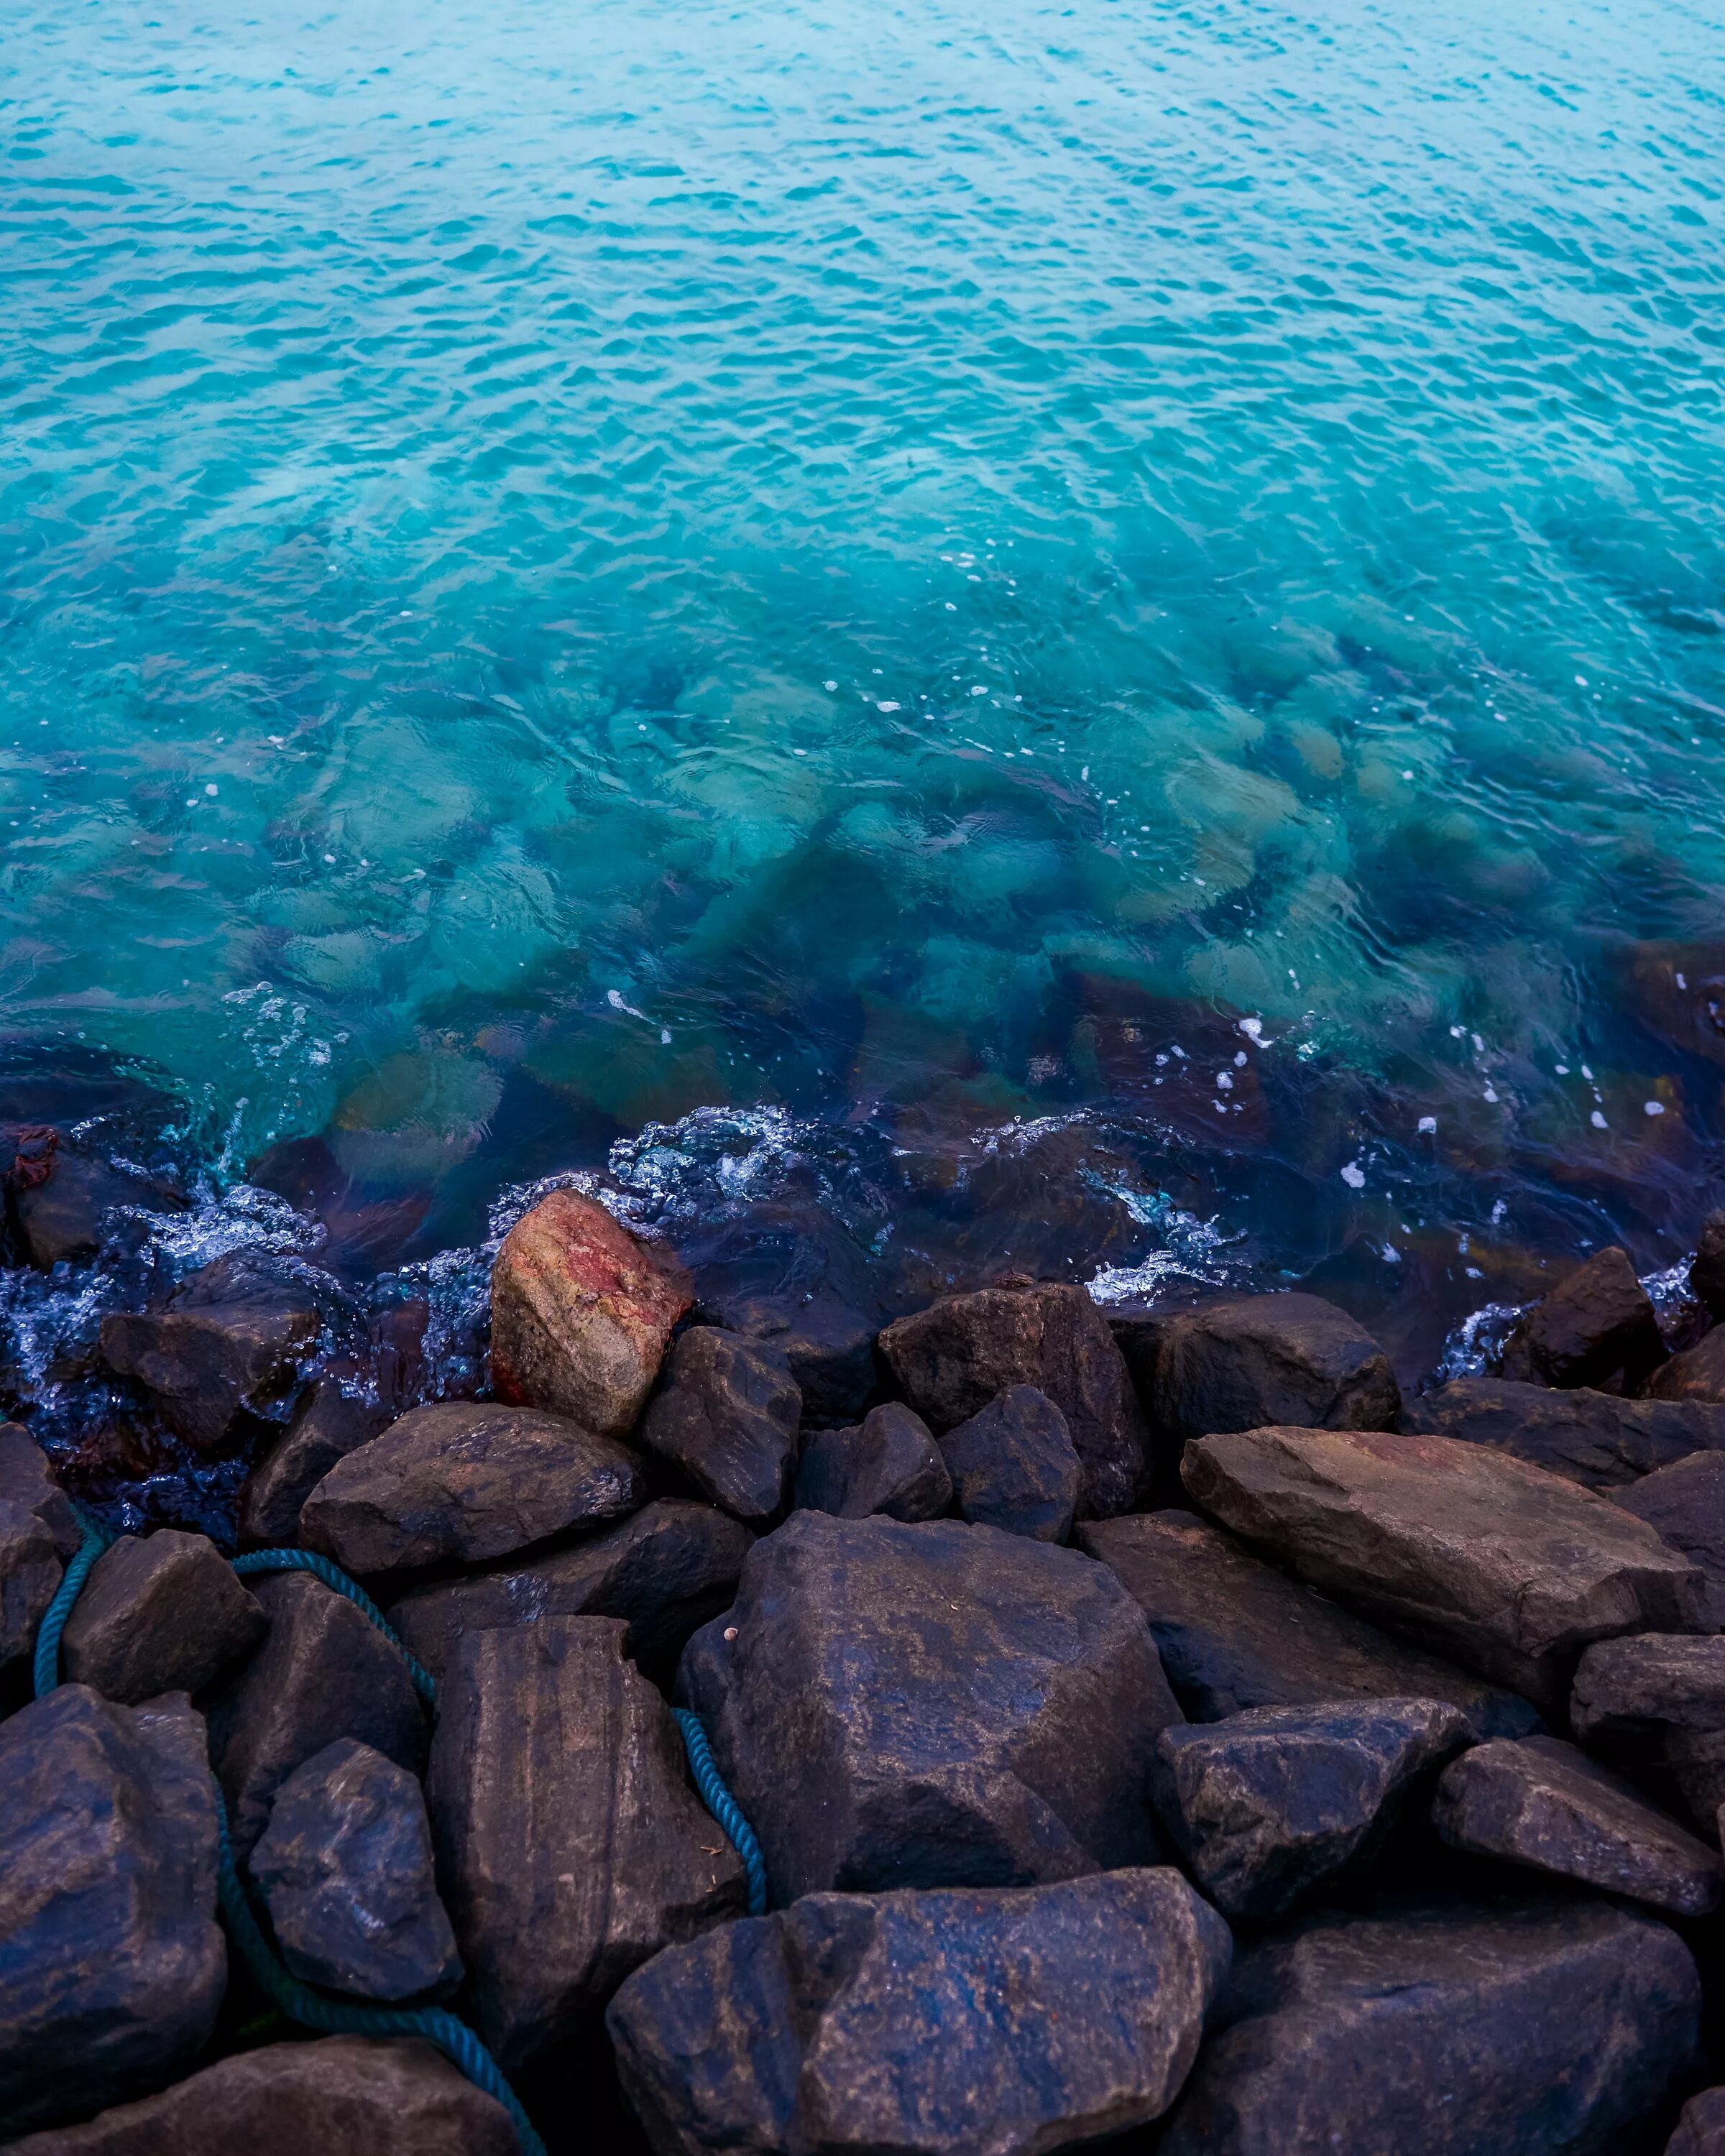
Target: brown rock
(28, 1479)
(727, 1417)
(1476, 1554)
(328, 2098)
(62, 1218)
(1661, 1694)
(1598, 1324)
(159, 1612)
(326, 1426)
(1700, 2130)
(1595, 1439)
(580, 1313)
(890, 1464)
(204, 1362)
(951, 1359)
(1707, 1269)
(38, 1529)
(1685, 1504)
(571, 1847)
(1014, 1467)
(466, 1480)
(1698, 1374)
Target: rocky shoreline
(1160, 1731)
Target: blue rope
(723, 1807)
(337, 2017)
(331, 1575)
(97, 1539)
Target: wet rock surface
(570, 1845)
(1685, 1504)
(1544, 1804)
(392, 2097)
(159, 1612)
(344, 1869)
(1509, 1568)
(888, 1464)
(1013, 1466)
(1662, 1697)
(466, 1479)
(1268, 1807)
(726, 1419)
(326, 1426)
(113, 1966)
(1598, 1324)
(975, 2023)
(1233, 1633)
(1595, 1439)
(62, 1218)
(38, 1530)
(1698, 1374)
(1522, 2027)
(827, 1345)
(930, 1705)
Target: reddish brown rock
(1599, 1324)
(1685, 1503)
(580, 1313)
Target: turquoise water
(562, 567)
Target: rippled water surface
(1134, 587)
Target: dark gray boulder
(345, 1867)
(951, 1359)
(829, 1346)
(159, 1612)
(1545, 1804)
(977, 2024)
(229, 1339)
(1707, 1269)
(326, 1427)
(1013, 1466)
(38, 1530)
(1596, 1324)
(1595, 1439)
(112, 1965)
(1659, 1696)
(1701, 2130)
(323, 1672)
(1268, 1807)
(666, 1570)
(930, 1705)
(570, 1845)
(727, 1417)
(1505, 2026)
(1698, 1374)
(1244, 1361)
(336, 2095)
(1685, 1505)
(1234, 1634)
(889, 1464)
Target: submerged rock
(326, 1426)
(1013, 1466)
(928, 1706)
(958, 2024)
(113, 1965)
(1595, 1439)
(1597, 1323)
(159, 1612)
(890, 1464)
(727, 1418)
(580, 1314)
(1685, 1504)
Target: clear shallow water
(560, 572)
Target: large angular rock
(1505, 2027)
(667, 1570)
(1595, 1439)
(1598, 1324)
(1244, 1362)
(580, 1313)
(952, 1358)
(992, 2024)
(38, 1529)
(326, 1427)
(827, 1345)
(1698, 1374)
(1685, 1504)
(227, 1339)
(570, 1845)
(324, 1671)
(1701, 2130)
(27, 1479)
(1268, 1807)
(395, 2097)
(1543, 1803)
(889, 1464)
(466, 1479)
(936, 1705)
(159, 1612)
(112, 1965)
(1662, 1696)
(727, 1418)
(1013, 1466)
(1477, 1554)
(345, 1867)
(1234, 1634)
(1707, 1269)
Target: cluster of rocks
(1156, 1730)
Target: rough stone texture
(336, 2096)
(112, 1966)
(889, 1464)
(323, 1672)
(62, 1218)
(204, 1361)
(1595, 1439)
(727, 1417)
(829, 1346)
(667, 1570)
(1707, 1269)
(1663, 1693)
(1268, 1807)
(27, 1478)
(581, 1313)
(952, 1358)
(1701, 2130)
(466, 1479)
(1523, 2027)
(1234, 1634)
(1698, 1374)
(937, 1705)
(345, 1867)
(1543, 1803)
(1478, 1554)
(326, 1426)
(1685, 1504)
(993, 2024)
(38, 1529)
(570, 1845)
(159, 1612)
(1598, 1322)
(1247, 1361)
(1013, 1466)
